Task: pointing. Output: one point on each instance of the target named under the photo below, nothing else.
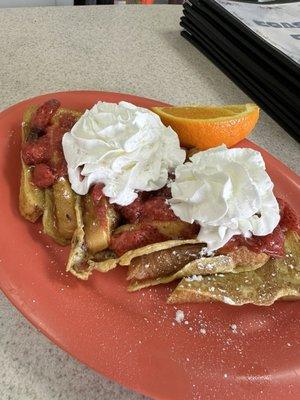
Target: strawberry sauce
(134, 239)
(272, 244)
(148, 207)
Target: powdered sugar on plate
(179, 317)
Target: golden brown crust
(174, 230)
(163, 262)
(78, 254)
(196, 268)
(98, 233)
(247, 260)
(64, 204)
(278, 278)
(125, 259)
(80, 261)
(49, 219)
(239, 260)
(31, 198)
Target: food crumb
(225, 375)
(233, 327)
(203, 331)
(179, 316)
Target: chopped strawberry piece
(67, 121)
(47, 148)
(134, 239)
(157, 209)
(43, 114)
(36, 152)
(133, 212)
(55, 134)
(153, 208)
(43, 176)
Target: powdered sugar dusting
(194, 278)
(179, 317)
(227, 300)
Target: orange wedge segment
(210, 126)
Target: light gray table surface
(133, 49)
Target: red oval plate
(134, 338)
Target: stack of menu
(257, 45)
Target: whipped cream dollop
(127, 148)
(228, 192)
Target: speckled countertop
(132, 49)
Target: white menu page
(278, 24)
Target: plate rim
(16, 301)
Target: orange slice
(210, 126)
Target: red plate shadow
(133, 338)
